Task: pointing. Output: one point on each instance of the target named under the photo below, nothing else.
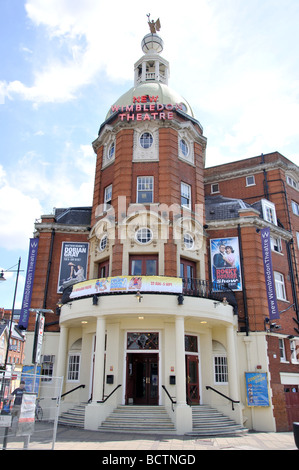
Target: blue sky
(65, 62)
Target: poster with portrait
(73, 264)
(225, 263)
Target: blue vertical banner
(24, 317)
(268, 270)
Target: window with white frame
(108, 196)
(282, 351)
(145, 189)
(144, 235)
(219, 363)
(280, 286)
(214, 188)
(146, 140)
(294, 345)
(297, 236)
(292, 182)
(47, 366)
(269, 212)
(186, 195)
(276, 244)
(220, 370)
(250, 180)
(295, 208)
(73, 367)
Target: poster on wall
(225, 263)
(257, 389)
(73, 264)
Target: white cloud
(16, 217)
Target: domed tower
(149, 195)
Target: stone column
(232, 363)
(62, 352)
(99, 360)
(180, 361)
(183, 411)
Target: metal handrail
(225, 396)
(70, 391)
(108, 396)
(170, 398)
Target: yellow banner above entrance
(127, 284)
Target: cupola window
(184, 147)
(146, 140)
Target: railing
(170, 398)
(209, 290)
(108, 396)
(225, 396)
(70, 391)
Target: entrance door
(292, 403)
(192, 383)
(142, 379)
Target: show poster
(73, 264)
(225, 263)
(257, 389)
(128, 284)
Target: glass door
(142, 379)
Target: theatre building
(177, 291)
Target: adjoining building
(179, 286)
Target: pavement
(75, 439)
(116, 444)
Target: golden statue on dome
(154, 26)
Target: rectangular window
(295, 208)
(47, 372)
(280, 286)
(186, 195)
(297, 236)
(220, 370)
(73, 368)
(144, 265)
(294, 344)
(108, 195)
(276, 244)
(145, 189)
(282, 351)
(250, 181)
(269, 212)
(214, 188)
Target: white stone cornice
(48, 227)
(250, 170)
(248, 222)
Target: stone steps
(138, 419)
(75, 416)
(208, 422)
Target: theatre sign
(146, 108)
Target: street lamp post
(2, 278)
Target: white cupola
(151, 67)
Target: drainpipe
(266, 187)
(243, 282)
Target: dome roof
(166, 96)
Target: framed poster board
(257, 389)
